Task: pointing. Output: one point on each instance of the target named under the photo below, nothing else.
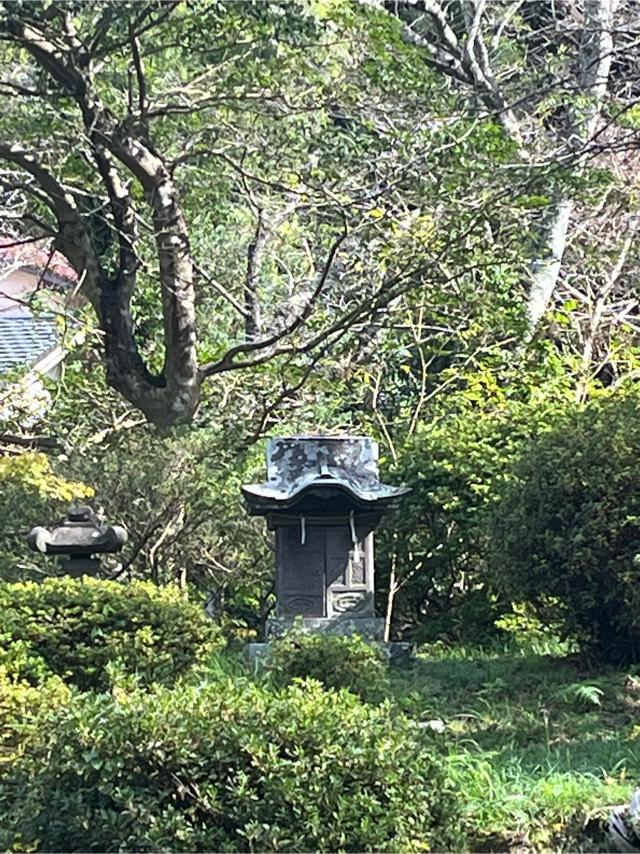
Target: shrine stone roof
(321, 468)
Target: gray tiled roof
(23, 340)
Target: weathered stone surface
(299, 465)
(351, 603)
(371, 628)
(398, 653)
(79, 537)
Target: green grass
(540, 747)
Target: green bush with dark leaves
(80, 628)
(335, 661)
(566, 530)
(228, 766)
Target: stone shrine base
(369, 628)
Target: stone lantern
(79, 537)
(324, 499)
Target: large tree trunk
(172, 395)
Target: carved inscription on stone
(304, 605)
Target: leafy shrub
(336, 662)
(22, 708)
(567, 529)
(437, 539)
(32, 471)
(527, 631)
(77, 627)
(18, 661)
(228, 767)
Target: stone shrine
(79, 537)
(324, 499)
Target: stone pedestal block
(370, 628)
(398, 653)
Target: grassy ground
(539, 746)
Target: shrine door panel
(343, 571)
(301, 578)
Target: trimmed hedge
(80, 628)
(335, 661)
(228, 766)
(22, 708)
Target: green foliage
(294, 119)
(336, 662)
(22, 709)
(84, 630)
(454, 463)
(30, 492)
(32, 472)
(19, 661)
(176, 491)
(228, 767)
(566, 531)
(582, 693)
(529, 633)
(534, 759)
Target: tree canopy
(240, 182)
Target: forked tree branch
(173, 394)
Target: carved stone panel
(301, 589)
(356, 603)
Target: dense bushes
(76, 628)
(437, 540)
(22, 707)
(227, 767)
(336, 662)
(567, 529)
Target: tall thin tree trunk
(393, 589)
(596, 51)
(545, 269)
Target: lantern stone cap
(79, 534)
(321, 467)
